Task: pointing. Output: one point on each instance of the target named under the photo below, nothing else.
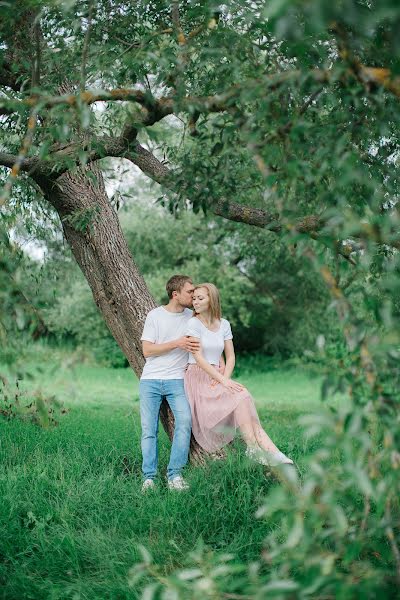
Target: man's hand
(189, 344)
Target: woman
(220, 405)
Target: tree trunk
(92, 230)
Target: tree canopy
(236, 101)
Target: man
(166, 348)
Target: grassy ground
(72, 513)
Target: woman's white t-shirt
(212, 342)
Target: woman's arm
(230, 358)
(209, 369)
(212, 371)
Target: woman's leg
(251, 430)
(260, 447)
(263, 439)
(247, 431)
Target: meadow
(73, 519)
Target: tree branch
(7, 160)
(216, 103)
(59, 162)
(150, 166)
(86, 97)
(233, 211)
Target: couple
(183, 350)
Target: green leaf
(363, 482)
(145, 554)
(296, 533)
(150, 591)
(188, 574)
(278, 587)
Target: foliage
(83, 219)
(73, 316)
(20, 320)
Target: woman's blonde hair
(215, 303)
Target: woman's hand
(231, 385)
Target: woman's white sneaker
(267, 458)
(177, 483)
(278, 458)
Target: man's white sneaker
(178, 483)
(148, 484)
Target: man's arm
(186, 343)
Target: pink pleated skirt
(217, 413)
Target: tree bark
(92, 230)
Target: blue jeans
(152, 392)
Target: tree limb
(85, 97)
(204, 104)
(161, 174)
(310, 225)
(233, 211)
(7, 160)
(59, 161)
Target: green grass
(72, 513)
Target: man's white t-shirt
(163, 326)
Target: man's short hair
(176, 283)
